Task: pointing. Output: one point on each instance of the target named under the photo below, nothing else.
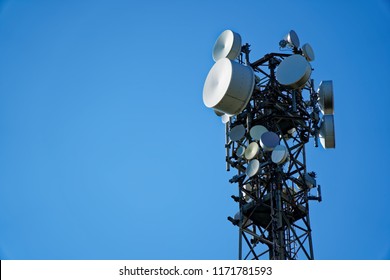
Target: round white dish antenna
(279, 154)
(228, 87)
(228, 45)
(256, 132)
(252, 150)
(237, 132)
(269, 140)
(253, 168)
(327, 132)
(294, 71)
(308, 52)
(292, 39)
(325, 97)
(240, 151)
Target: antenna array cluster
(270, 109)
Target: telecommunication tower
(270, 109)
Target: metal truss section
(274, 219)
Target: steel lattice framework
(273, 216)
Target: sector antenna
(271, 110)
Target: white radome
(228, 45)
(228, 86)
(294, 71)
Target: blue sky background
(106, 148)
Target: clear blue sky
(106, 148)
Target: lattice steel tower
(271, 110)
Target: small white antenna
(228, 45)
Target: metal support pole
(227, 146)
(279, 230)
(241, 222)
